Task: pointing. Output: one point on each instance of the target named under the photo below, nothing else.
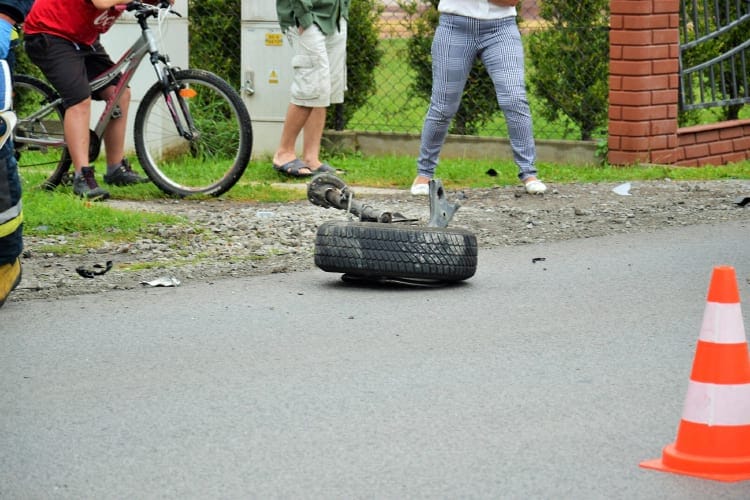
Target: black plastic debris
(742, 200)
(492, 172)
(98, 270)
(538, 259)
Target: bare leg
(76, 128)
(313, 136)
(296, 117)
(114, 134)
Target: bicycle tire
(29, 95)
(215, 159)
(375, 250)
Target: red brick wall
(643, 94)
(716, 144)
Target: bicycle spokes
(196, 138)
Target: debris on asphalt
(163, 281)
(88, 273)
(622, 189)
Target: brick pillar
(643, 81)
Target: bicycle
(192, 132)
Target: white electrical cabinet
(266, 73)
(259, 10)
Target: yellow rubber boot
(10, 277)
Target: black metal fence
(715, 55)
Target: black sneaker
(123, 175)
(85, 185)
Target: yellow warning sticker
(274, 40)
(273, 77)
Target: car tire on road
(379, 250)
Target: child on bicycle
(62, 39)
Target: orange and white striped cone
(713, 439)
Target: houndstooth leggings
(458, 42)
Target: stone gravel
(224, 239)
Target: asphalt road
(548, 380)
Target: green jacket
(305, 13)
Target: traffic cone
(713, 438)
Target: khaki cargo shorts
(319, 64)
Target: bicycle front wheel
(38, 137)
(197, 139)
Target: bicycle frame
(126, 67)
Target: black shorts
(68, 66)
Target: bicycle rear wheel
(213, 154)
(47, 153)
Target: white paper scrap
(622, 189)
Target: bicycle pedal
(67, 179)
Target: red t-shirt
(75, 20)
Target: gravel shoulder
(224, 239)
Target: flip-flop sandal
(294, 168)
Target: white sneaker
(535, 187)
(420, 189)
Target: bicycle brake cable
(161, 16)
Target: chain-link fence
(566, 64)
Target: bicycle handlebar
(150, 9)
